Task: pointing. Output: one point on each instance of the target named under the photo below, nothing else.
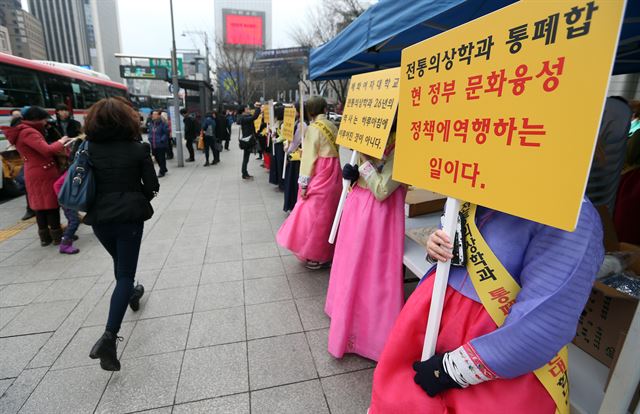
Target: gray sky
(145, 25)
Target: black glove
(431, 376)
(350, 172)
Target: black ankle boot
(107, 350)
(134, 302)
(56, 235)
(45, 237)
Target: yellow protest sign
(257, 122)
(289, 122)
(266, 114)
(368, 114)
(488, 109)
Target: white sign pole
(451, 211)
(284, 166)
(272, 122)
(345, 190)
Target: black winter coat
(191, 128)
(74, 128)
(246, 123)
(222, 129)
(126, 182)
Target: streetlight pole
(206, 61)
(177, 127)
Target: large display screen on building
(244, 28)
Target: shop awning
(375, 39)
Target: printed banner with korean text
(504, 111)
(289, 122)
(258, 121)
(369, 111)
(266, 114)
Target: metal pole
(177, 127)
(208, 69)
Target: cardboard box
(604, 321)
(419, 202)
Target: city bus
(25, 82)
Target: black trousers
(48, 219)
(210, 142)
(190, 147)
(160, 154)
(246, 154)
(291, 185)
(122, 242)
(170, 149)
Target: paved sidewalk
(229, 323)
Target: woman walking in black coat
(125, 184)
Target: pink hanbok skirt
(306, 230)
(365, 288)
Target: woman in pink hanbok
(306, 230)
(365, 289)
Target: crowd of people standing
(550, 270)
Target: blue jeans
(73, 222)
(122, 242)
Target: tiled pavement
(230, 322)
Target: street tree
(323, 23)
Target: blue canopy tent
(375, 39)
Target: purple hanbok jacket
(555, 269)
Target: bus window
(58, 90)
(91, 93)
(115, 92)
(19, 87)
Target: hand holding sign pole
(369, 112)
(452, 208)
(343, 196)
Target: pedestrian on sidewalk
(16, 118)
(164, 115)
(159, 140)
(229, 122)
(248, 135)
(222, 130)
(306, 230)
(73, 218)
(125, 184)
(277, 141)
(190, 132)
(65, 124)
(40, 170)
(209, 130)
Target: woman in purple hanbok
(480, 367)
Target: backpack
(79, 188)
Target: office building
(5, 41)
(65, 32)
(26, 37)
(103, 36)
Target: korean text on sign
(289, 123)
(369, 111)
(266, 114)
(484, 107)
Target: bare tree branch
(234, 72)
(323, 23)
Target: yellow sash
(327, 133)
(498, 290)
